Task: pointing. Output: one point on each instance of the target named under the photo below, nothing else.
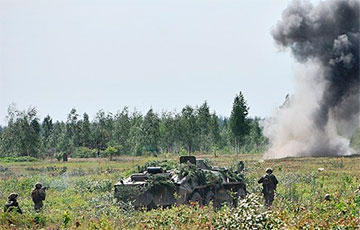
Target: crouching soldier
(269, 183)
(12, 204)
(38, 194)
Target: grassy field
(80, 196)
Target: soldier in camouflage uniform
(38, 194)
(12, 204)
(269, 183)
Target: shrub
(249, 214)
(84, 152)
(19, 159)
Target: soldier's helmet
(269, 170)
(327, 197)
(38, 185)
(12, 196)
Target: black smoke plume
(324, 110)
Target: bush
(19, 159)
(249, 214)
(84, 152)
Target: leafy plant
(249, 214)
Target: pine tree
(204, 127)
(188, 127)
(151, 132)
(121, 134)
(85, 135)
(238, 123)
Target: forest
(193, 129)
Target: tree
(73, 128)
(215, 130)
(65, 146)
(121, 133)
(103, 126)
(46, 134)
(188, 128)
(57, 136)
(110, 151)
(238, 123)
(169, 131)
(150, 129)
(135, 133)
(21, 137)
(204, 127)
(85, 133)
(255, 140)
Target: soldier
(269, 183)
(12, 204)
(38, 195)
(327, 197)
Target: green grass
(80, 196)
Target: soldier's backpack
(267, 180)
(267, 183)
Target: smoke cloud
(323, 112)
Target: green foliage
(84, 152)
(111, 151)
(213, 179)
(128, 194)
(66, 219)
(249, 214)
(157, 182)
(150, 130)
(121, 131)
(203, 120)
(194, 129)
(19, 159)
(21, 137)
(193, 173)
(232, 174)
(188, 128)
(169, 132)
(238, 123)
(164, 164)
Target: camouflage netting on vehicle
(128, 194)
(192, 172)
(197, 175)
(158, 181)
(164, 164)
(232, 173)
(213, 179)
(154, 183)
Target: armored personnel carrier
(193, 181)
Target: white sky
(102, 54)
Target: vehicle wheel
(222, 197)
(151, 206)
(241, 193)
(196, 197)
(209, 197)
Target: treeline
(131, 133)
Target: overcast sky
(165, 54)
